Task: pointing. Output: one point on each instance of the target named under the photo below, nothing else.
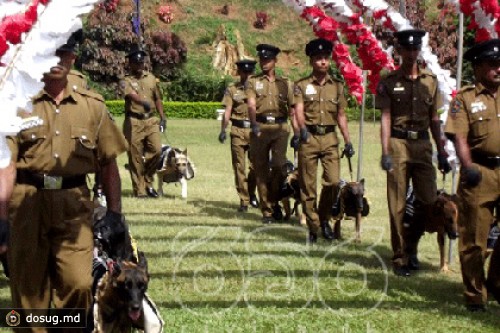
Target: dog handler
(236, 110)
(409, 99)
(45, 196)
(270, 100)
(474, 126)
(319, 108)
(141, 127)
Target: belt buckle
(321, 130)
(270, 119)
(246, 124)
(413, 135)
(52, 182)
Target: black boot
(313, 237)
(327, 231)
(253, 201)
(277, 213)
(413, 262)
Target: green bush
(207, 110)
(185, 110)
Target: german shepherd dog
(443, 220)
(290, 189)
(351, 202)
(120, 296)
(174, 167)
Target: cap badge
(410, 39)
(495, 49)
(320, 47)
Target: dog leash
(350, 167)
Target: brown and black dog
(351, 202)
(291, 190)
(120, 295)
(442, 219)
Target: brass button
(57, 132)
(56, 155)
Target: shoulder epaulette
(427, 72)
(467, 88)
(90, 94)
(76, 73)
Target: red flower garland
(490, 8)
(13, 26)
(326, 27)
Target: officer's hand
(163, 125)
(386, 162)
(222, 136)
(304, 135)
(471, 176)
(443, 164)
(4, 235)
(256, 129)
(146, 106)
(295, 142)
(348, 150)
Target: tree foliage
(109, 37)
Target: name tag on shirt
(399, 89)
(310, 90)
(259, 85)
(477, 107)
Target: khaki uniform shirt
(77, 80)
(410, 101)
(475, 114)
(73, 135)
(321, 103)
(272, 98)
(146, 87)
(235, 98)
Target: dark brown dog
(291, 190)
(351, 202)
(119, 297)
(442, 219)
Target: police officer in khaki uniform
(141, 127)
(319, 108)
(46, 199)
(270, 100)
(409, 99)
(474, 126)
(236, 110)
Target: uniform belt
(47, 182)
(320, 129)
(410, 135)
(240, 123)
(141, 116)
(491, 162)
(271, 119)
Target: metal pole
(459, 84)
(402, 8)
(361, 122)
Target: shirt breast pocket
(479, 127)
(84, 142)
(332, 105)
(32, 138)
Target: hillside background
(184, 65)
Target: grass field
(215, 270)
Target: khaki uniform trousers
(412, 159)
(144, 152)
(240, 146)
(273, 139)
(323, 148)
(474, 221)
(51, 249)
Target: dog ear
(143, 262)
(185, 152)
(362, 182)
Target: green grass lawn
(215, 270)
